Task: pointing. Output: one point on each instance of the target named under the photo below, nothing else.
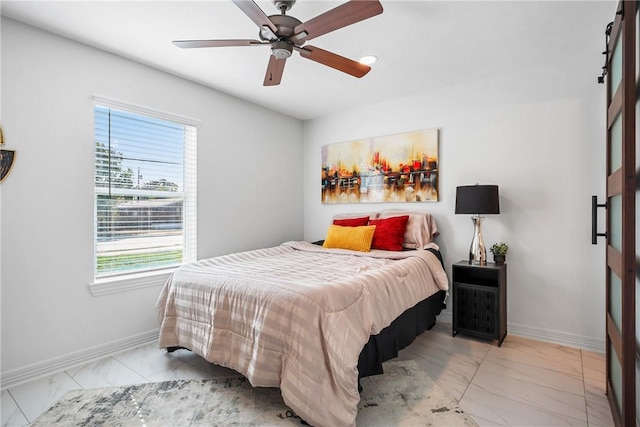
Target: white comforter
(295, 316)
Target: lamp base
(477, 251)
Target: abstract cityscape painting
(398, 168)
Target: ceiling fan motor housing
(282, 47)
(285, 25)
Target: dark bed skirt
(399, 334)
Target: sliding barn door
(621, 344)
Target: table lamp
(477, 199)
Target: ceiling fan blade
(253, 11)
(188, 44)
(333, 60)
(274, 71)
(339, 17)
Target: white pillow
(421, 227)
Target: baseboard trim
(596, 345)
(58, 364)
(547, 335)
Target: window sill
(130, 282)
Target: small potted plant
(499, 251)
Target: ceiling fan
(285, 34)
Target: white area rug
(403, 396)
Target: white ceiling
(423, 46)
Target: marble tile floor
(523, 383)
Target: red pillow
(352, 222)
(389, 234)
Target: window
(145, 190)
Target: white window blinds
(145, 190)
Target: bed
(307, 318)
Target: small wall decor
(393, 169)
(6, 159)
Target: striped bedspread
(295, 316)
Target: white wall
(48, 315)
(540, 135)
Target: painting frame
(397, 168)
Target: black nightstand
(480, 300)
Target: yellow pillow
(354, 238)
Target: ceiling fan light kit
(281, 49)
(285, 34)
